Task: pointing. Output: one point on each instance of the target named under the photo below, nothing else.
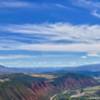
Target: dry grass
(47, 76)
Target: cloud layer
(49, 32)
(52, 37)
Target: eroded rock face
(23, 87)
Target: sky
(49, 33)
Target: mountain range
(27, 87)
(43, 83)
(85, 68)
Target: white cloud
(33, 5)
(62, 6)
(14, 56)
(91, 5)
(14, 4)
(86, 38)
(6, 44)
(87, 3)
(91, 54)
(55, 47)
(58, 31)
(95, 13)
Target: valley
(90, 93)
(45, 86)
(49, 84)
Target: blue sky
(49, 33)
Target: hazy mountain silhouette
(89, 68)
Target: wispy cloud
(68, 48)
(91, 5)
(85, 38)
(14, 56)
(58, 31)
(96, 13)
(33, 5)
(14, 4)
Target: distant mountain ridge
(7, 70)
(92, 67)
(4, 69)
(1, 66)
(88, 68)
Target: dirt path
(51, 98)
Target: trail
(51, 98)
